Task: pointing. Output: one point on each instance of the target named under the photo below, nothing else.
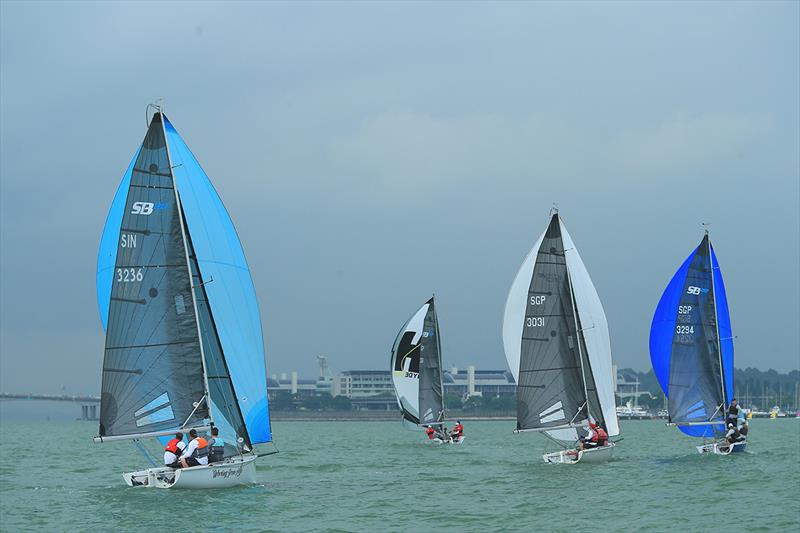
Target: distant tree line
(762, 389)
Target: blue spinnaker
(107, 254)
(231, 294)
(221, 258)
(664, 338)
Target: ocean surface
(377, 476)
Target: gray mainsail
(550, 391)
(695, 379)
(431, 404)
(153, 376)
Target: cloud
(395, 155)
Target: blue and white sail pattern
(691, 344)
(227, 283)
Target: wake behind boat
(691, 348)
(416, 364)
(557, 345)
(184, 348)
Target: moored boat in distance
(556, 341)
(184, 348)
(691, 349)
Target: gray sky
(371, 154)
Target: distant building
(488, 383)
(361, 383)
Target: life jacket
(733, 411)
(172, 447)
(217, 449)
(600, 435)
(458, 430)
(202, 449)
(431, 432)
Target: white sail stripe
(558, 415)
(555, 406)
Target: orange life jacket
(430, 431)
(172, 446)
(202, 448)
(459, 429)
(599, 435)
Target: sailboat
(557, 345)
(416, 364)
(691, 348)
(184, 347)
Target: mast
(207, 395)
(439, 354)
(577, 330)
(716, 326)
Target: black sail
(431, 406)
(695, 379)
(550, 392)
(152, 365)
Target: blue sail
(231, 294)
(107, 253)
(695, 381)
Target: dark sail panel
(224, 405)
(152, 367)
(431, 406)
(695, 381)
(550, 391)
(592, 399)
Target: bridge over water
(88, 403)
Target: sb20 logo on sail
(145, 208)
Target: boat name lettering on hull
(228, 472)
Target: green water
(376, 476)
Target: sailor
(217, 446)
(732, 435)
(458, 431)
(174, 449)
(743, 429)
(430, 432)
(196, 453)
(733, 412)
(595, 436)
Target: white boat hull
(722, 448)
(600, 454)
(459, 440)
(229, 473)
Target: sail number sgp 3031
(536, 321)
